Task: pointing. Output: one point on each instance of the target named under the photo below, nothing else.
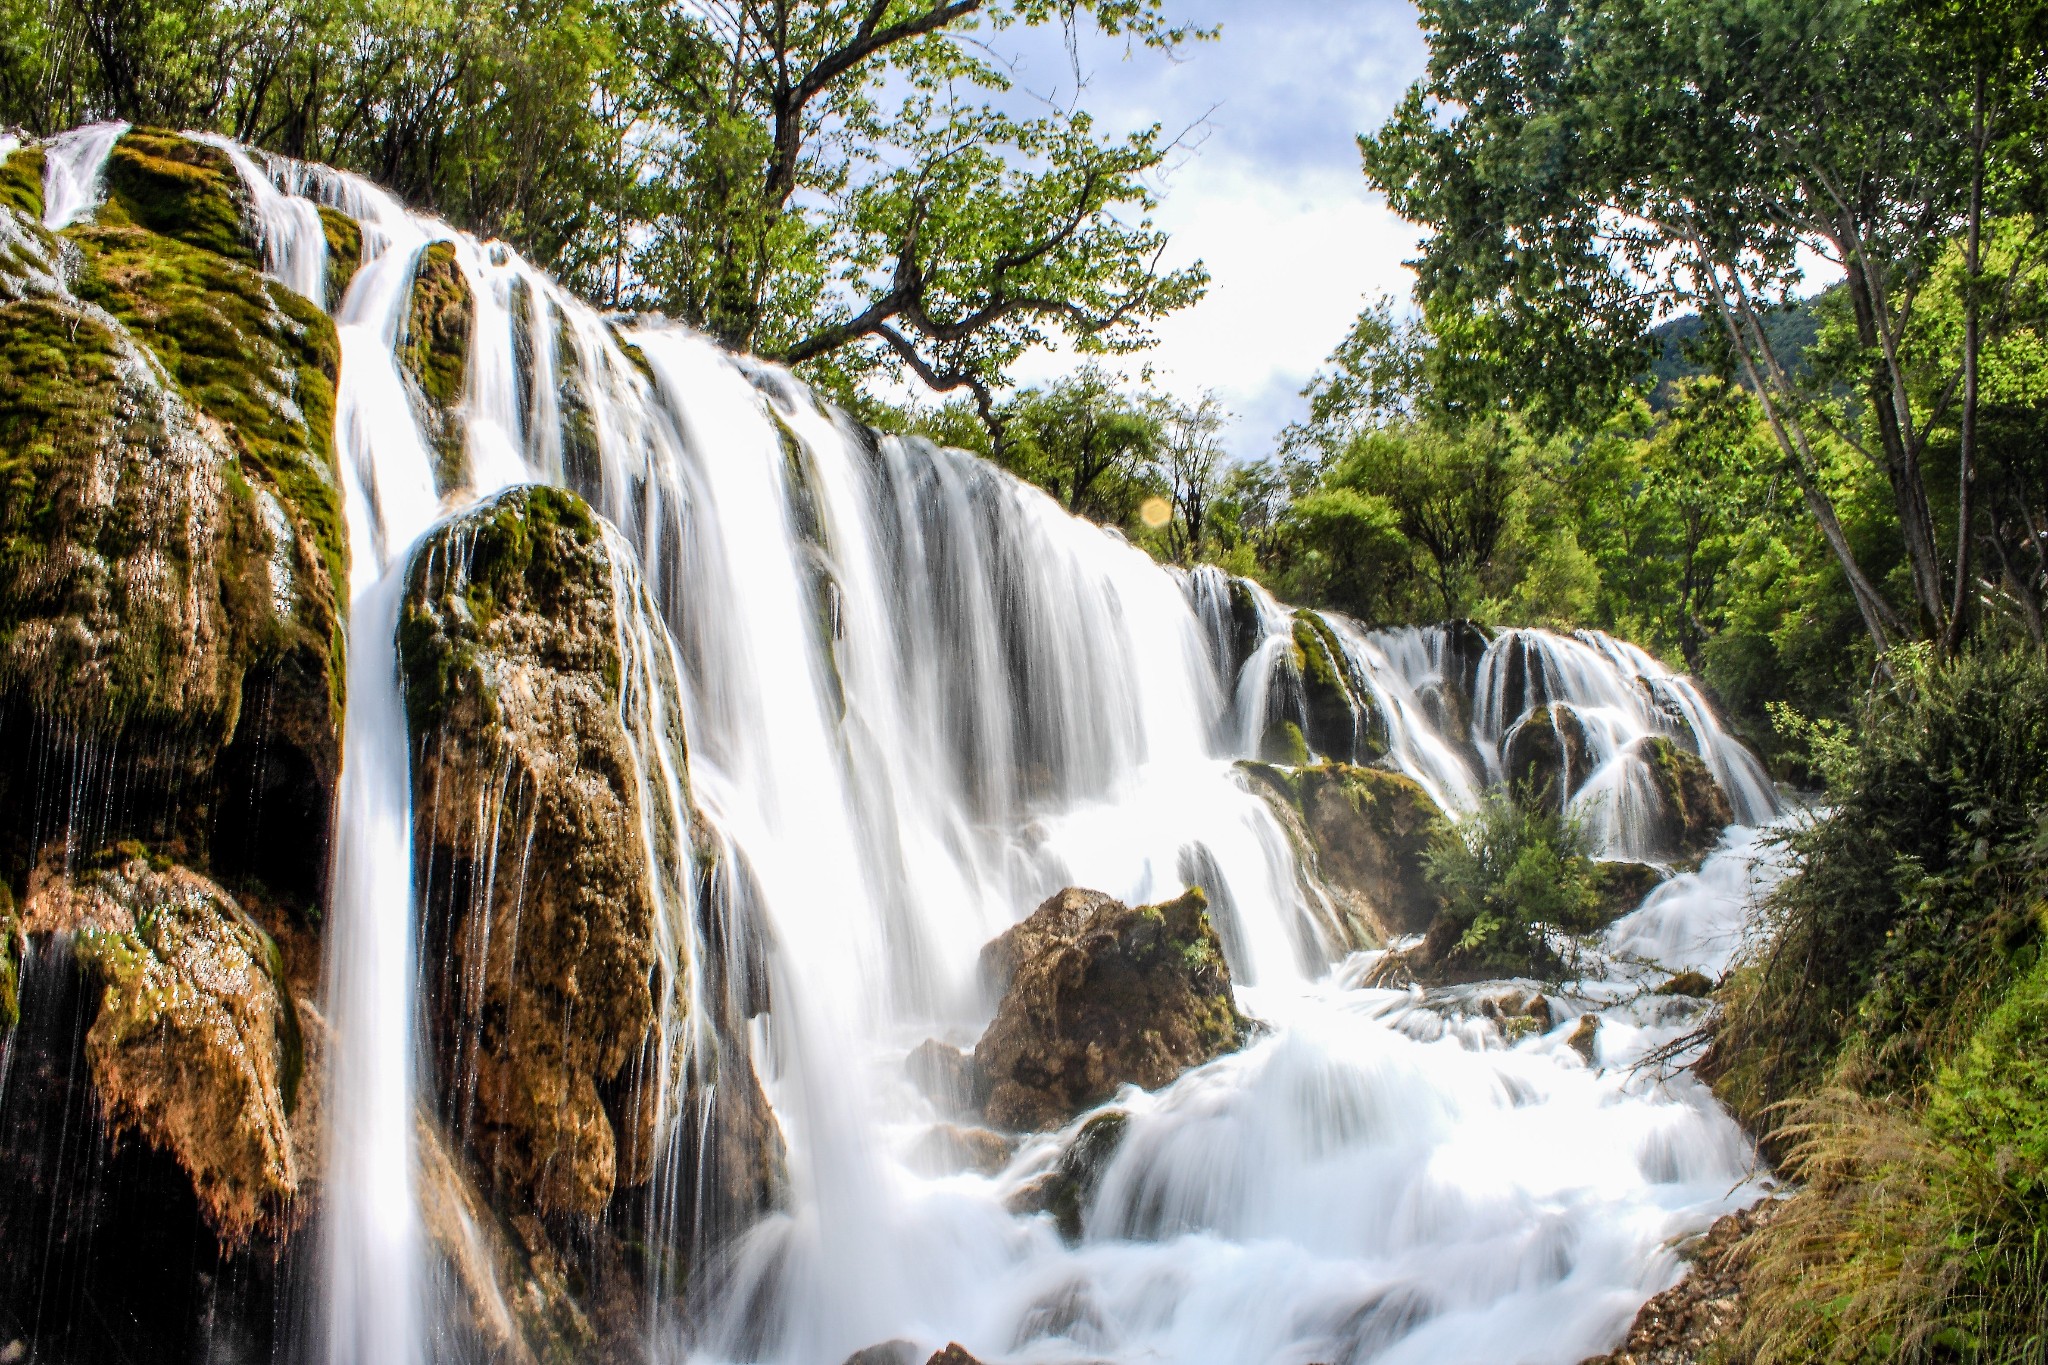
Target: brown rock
(954, 1354)
(897, 1352)
(1688, 1323)
(1097, 994)
(947, 1077)
(1696, 810)
(1547, 754)
(513, 684)
(1694, 984)
(197, 1047)
(1585, 1037)
(949, 1149)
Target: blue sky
(1269, 194)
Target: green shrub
(1909, 909)
(1510, 870)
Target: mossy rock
(181, 189)
(1069, 1188)
(433, 355)
(171, 554)
(247, 351)
(1097, 994)
(196, 1046)
(1624, 885)
(544, 1016)
(1695, 809)
(1373, 831)
(11, 942)
(21, 183)
(1340, 720)
(344, 253)
(1548, 755)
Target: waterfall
(918, 697)
(75, 172)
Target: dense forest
(1729, 338)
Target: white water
(919, 698)
(74, 172)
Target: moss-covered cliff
(172, 558)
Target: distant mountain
(1792, 330)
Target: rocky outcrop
(197, 1047)
(1363, 837)
(1340, 719)
(1694, 1321)
(1069, 1187)
(1097, 994)
(171, 553)
(1695, 809)
(1548, 756)
(433, 356)
(554, 983)
(512, 673)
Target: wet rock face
(1097, 994)
(529, 813)
(1364, 835)
(1695, 809)
(171, 555)
(197, 1048)
(1548, 755)
(1373, 830)
(433, 355)
(1340, 719)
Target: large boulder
(509, 647)
(1548, 756)
(1694, 808)
(1340, 719)
(1363, 837)
(1097, 994)
(555, 981)
(172, 562)
(197, 1046)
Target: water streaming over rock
(74, 172)
(917, 698)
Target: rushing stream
(919, 698)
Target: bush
(1509, 872)
(1911, 896)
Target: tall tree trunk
(1966, 459)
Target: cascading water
(918, 698)
(74, 172)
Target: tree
(797, 213)
(1586, 168)
(1191, 452)
(1092, 446)
(829, 183)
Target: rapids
(918, 698)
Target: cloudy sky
(1270, 195)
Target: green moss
(344, 253)
(179, 188)
(520, 547)
(246, 351)
(433, 351)
(1342, 722)
(10, 961)
(21, 183)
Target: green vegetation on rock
(433, 354)
(344, 253)
(21, 183)
(181, 189)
